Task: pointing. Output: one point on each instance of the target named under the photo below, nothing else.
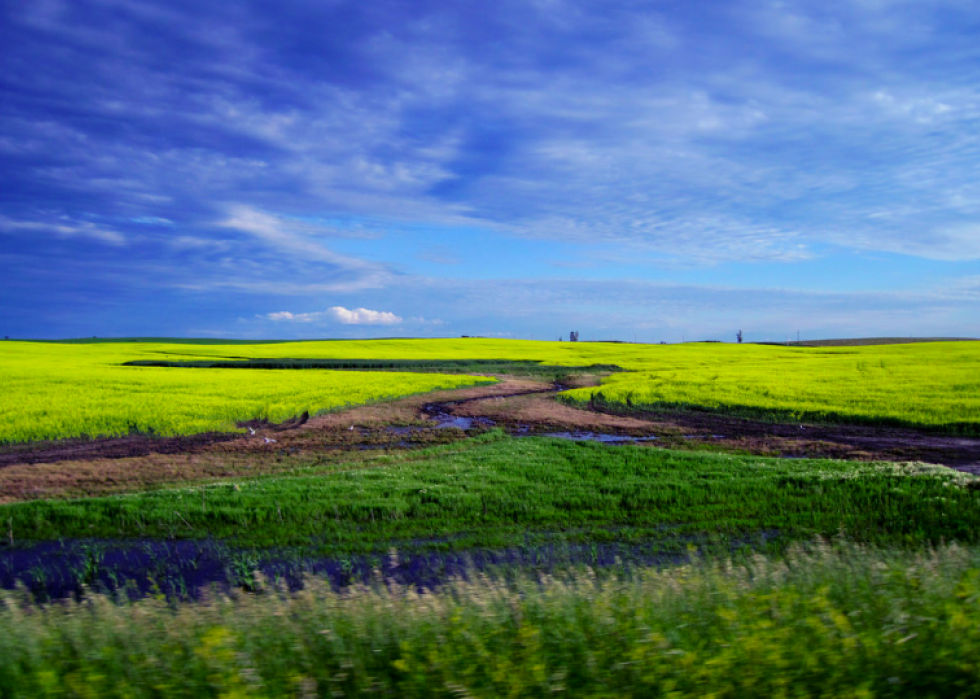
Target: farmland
(493, 490)
(685, 543)
(930, 384)
(55, 391)
(68, 390)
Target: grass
(57, 390)
(820, 622)
(496, 491)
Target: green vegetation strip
(597, 399)
(497, 491)
(842, 622)
(441, 366)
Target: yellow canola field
(54, 391)
(60, 390)
(934, 384)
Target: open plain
(450, 472)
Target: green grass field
(54, 390)
(496, 491)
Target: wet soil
(809, 440)
(107, 447)
(520, 405)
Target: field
(68, 390)
(576, 528)
(493, 491)
(55, 391)
(929, 384)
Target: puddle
(596, 437)
(445, 420)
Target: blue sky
(656, 170)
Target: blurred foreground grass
(822, 621)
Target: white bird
(351, 428)
(251, 430)
(269, 441)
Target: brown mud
(356, 436)
(107, 447)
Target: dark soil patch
(186, 569)
(441, 366)
(108, 447)
(863, 442)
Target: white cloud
(363, 316)
(286, 315)
(346, 316)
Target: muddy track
(865, 442)
(690, 429)
(523, 407)
(108, 448)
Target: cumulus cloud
(362, 316)
(294, 317)
(339, 314)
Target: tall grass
(823, 621)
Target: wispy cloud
(285, 238)
(63, 229)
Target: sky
(650, 171)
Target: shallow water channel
(442, 418)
